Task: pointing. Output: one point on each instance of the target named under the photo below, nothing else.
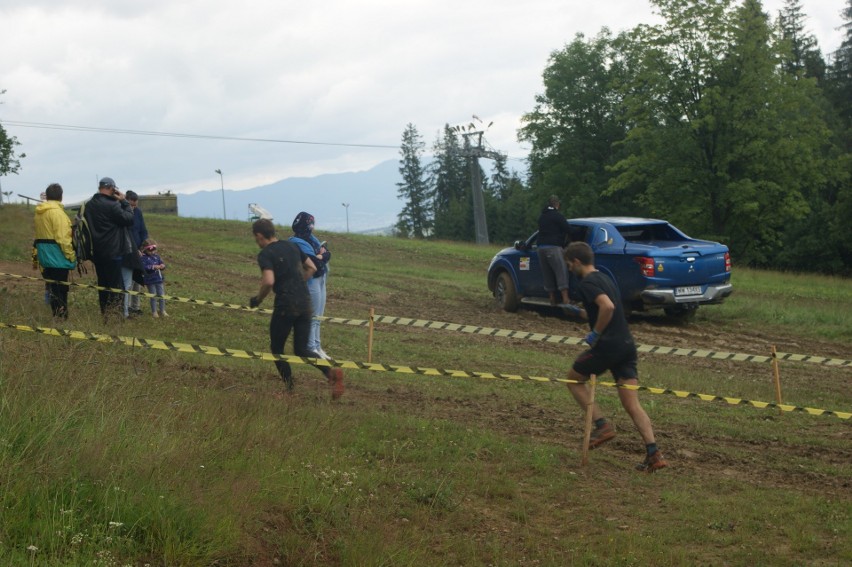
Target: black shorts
(621, 361)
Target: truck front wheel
(505, 293)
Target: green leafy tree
(414, 220)
(843, 209)
(830, 248)
(722, 141)
(575, 124)
(9, 161)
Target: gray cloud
(334, 71)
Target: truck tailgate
(679, 264)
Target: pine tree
(803, 57)
(840, 75)
(450, 178)
(414, 219)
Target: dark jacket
(109, 222)
(139, 230)
(552, 228)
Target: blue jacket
(311, 246)
(139, 231)
(152, 275)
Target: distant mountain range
(371, 196)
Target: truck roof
(620, 221)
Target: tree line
(725, 121)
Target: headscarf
(303, 224)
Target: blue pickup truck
(654, 265)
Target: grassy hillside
(114, 455)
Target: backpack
(81, 237)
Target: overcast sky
(352, 73)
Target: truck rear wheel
(505, 293)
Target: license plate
(688, 290)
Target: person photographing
(110, 217)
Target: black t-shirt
(285, 260)
(616, 332)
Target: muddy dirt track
(690, 450)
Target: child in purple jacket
(153, 277)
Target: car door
(529, 270)
(577, 233)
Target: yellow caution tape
(377, 367)
(488, 331)
(142, 293)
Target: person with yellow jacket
(53, 249)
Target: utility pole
(222, 182)
(346, 205)
(474, 153)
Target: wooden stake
(777, 370)
(588, 430)
(370, 336)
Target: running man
(284, 271)
(613, 349)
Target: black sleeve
(123, 214)
(264, 261)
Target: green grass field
(114, 455)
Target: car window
(578, 233)
(649, 233)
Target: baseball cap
(106, 182)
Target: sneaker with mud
(335, 377)
(652, 463)
(601, 435)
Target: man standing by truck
(613, 349)
(552, 230)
